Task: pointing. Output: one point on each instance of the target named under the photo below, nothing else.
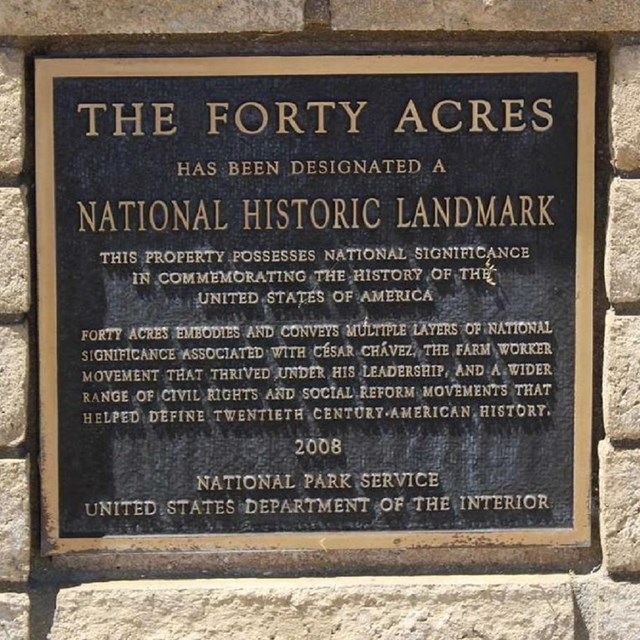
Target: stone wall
(513, 593)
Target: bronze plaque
(315, 302)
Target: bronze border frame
(49, 69)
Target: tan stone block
(618, 611)
(585, 595)
(620, 508)
(69, 17)
(11, 111)
(621, 385)
(14, 520)
(625, 107)
(489, 15)
(508, 608)
(14, 253)
(14, 616)
(622, 276)
(13, 384)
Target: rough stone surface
(14, 521)
(625, 105)
(97, 566)
(621, 393)
(14, 616)
(585, 595)
(13, 384)
(69, 17)
(622, 276)
(11, 111)
(620, 508)
(14, 252)
(504, 608)
(317, 12)
(487, 15)
(618, 611)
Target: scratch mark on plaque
(491, 271)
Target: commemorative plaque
(315, 302)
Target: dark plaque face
(315, 302)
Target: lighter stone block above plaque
(622, 276)
(40, 17)
(14, 520)
(13, 384)
(11, 111)
(14, 253)
(489, 15)
(625, 105)
(620, 508)
(516, 608)
(14, 616)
